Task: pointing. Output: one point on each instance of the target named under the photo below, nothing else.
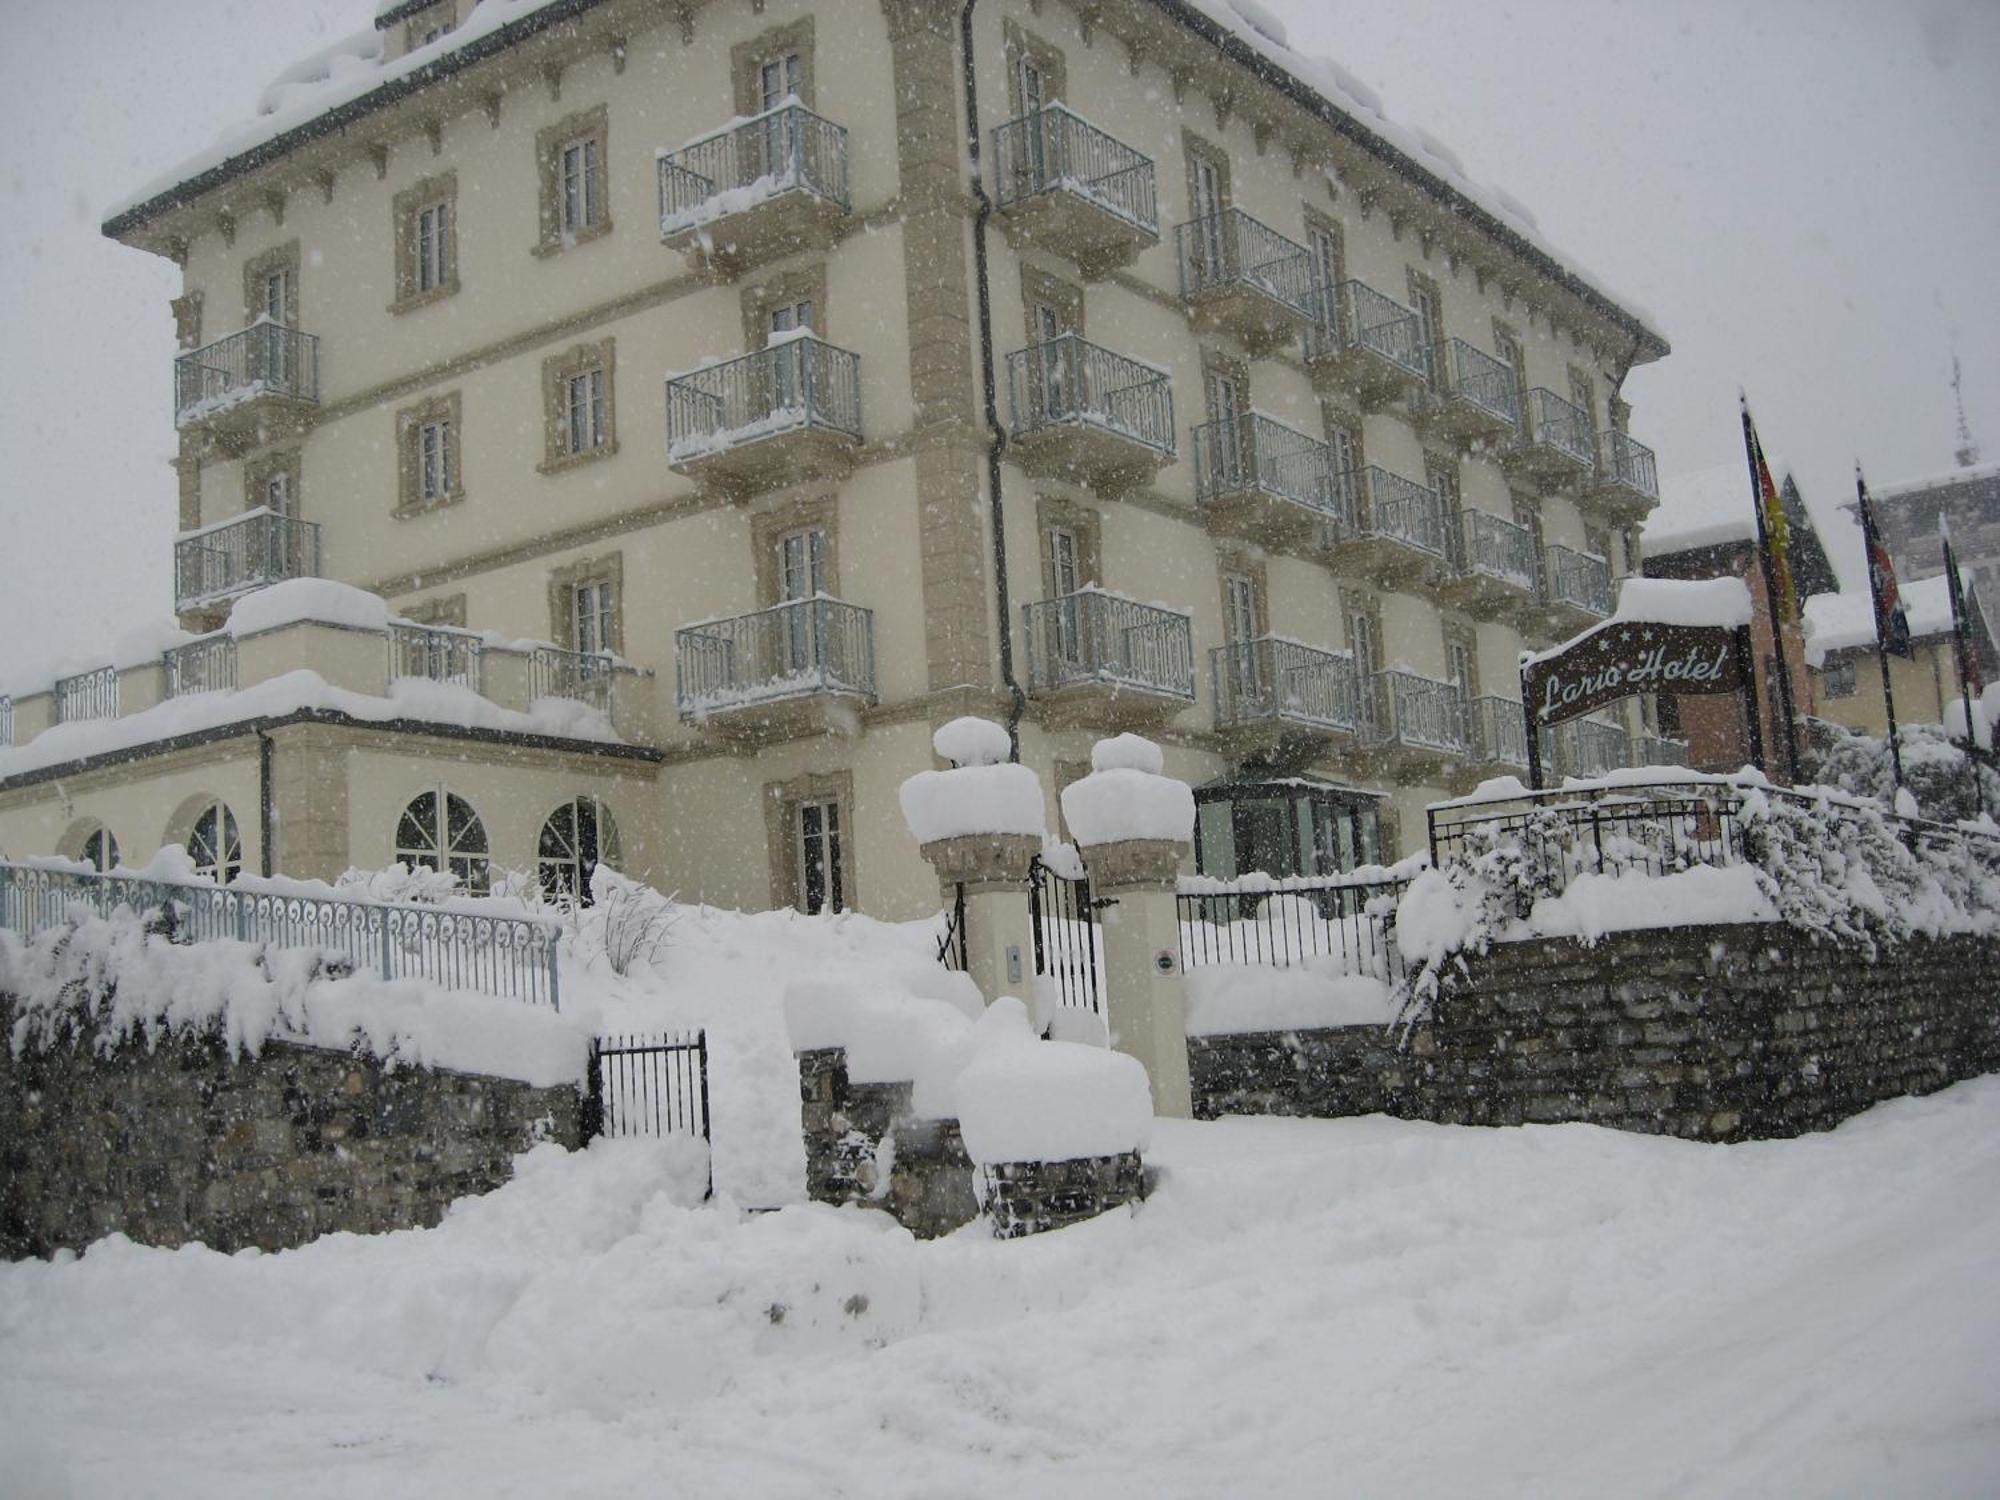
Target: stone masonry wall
(1740, 1032)
(184, 1143)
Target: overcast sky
(1802, 193)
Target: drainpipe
(267, 815)
(996, 437)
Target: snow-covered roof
(1973, 475)
(352, 78)
(1707, 508)
(1841, 622)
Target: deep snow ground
(1357, 1307)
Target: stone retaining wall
(1734, 1032)
(184, 1143)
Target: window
(100, 850)
(1226, 405)
(575, 839)
(821, 888)
(214, 845)
(271, 286)
(440, 831)
(1430, 326)
(772, 67)
(801, 574)
(581, 416)
(1285, 829)
(572, 156)
(426, 228)
(586, 604)
(593, 615)
(1364, 641)
(1344, 442)
(1838, 679)
(272, 483)
(429, 437)
(1583, 394)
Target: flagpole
(1871, 541)
(1959, 649)
(1753, 452)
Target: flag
(1774, 532)
(1892, 621)
(1969, 675)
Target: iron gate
(647, 1084)
(1068, 947)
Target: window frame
(589, 132)
(438, 418)
(446, 847)
(559, 372)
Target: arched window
(440, 831)
(100, 850)
(577, 836)
(214, 845)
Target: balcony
(1365, 344)
(1498, 735)
(1587, 747)
(1576, 591)
(1416, 724)
(1063, 185)
(203, 666)
(434, 653)
(1266, 482)
(1243, 278)
(1557, 441)
(254, 385)
(1474, 398)
(579, 676)
(1102, 661)
(1271, 692)
(1494, 565)
(1396, 531)
(1627, 485)
(87, 695)
(785, 413)
(794, 670)
(756, 190)
(1084, 414)
(228, 558)
(1657, 750)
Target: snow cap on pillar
(1126, 798)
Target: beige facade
(555, 404)
(1848, 686)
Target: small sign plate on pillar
(1166, 962)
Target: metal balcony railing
(1419, 711)
(1232, 249)
(791, 650)
(1068, 382)
(266, 358)
(1057, 150)
(1500, 732)
(1252, 452)
(434, 653)
(784, 150)
(87, 695)
(584, 676)
(1658, 750)
(1625, 461)
(203, 666)
(1489, 547)
(1353, 315)
(1400, 510)
(796, 384)
(1561, 425)
(1092, 636)
(243, 553)
(1273, 678)
(1589, 747)
(1478, 379)
(1579, 580)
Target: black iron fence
(1347, 922)
(647, 1084)
(1069, 949)
(951, 942)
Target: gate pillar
(999, 936)
(1145, 1004)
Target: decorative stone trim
(586, 125)
(983, 861)
(745, 58)
(1135, 864)
(433, 192)
(283, 257)
(557, 372)
(410, 423)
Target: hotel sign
(1626, 657)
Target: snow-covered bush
(1934, 769)
(629, 923)
(399, 884)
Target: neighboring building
(1840, 648)
(632, 353)
(1706, 527)
(1969, 500)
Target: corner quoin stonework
(1722, 1033)
(183, 1143)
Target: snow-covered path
(1306, 1308)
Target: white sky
(1802, 193)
